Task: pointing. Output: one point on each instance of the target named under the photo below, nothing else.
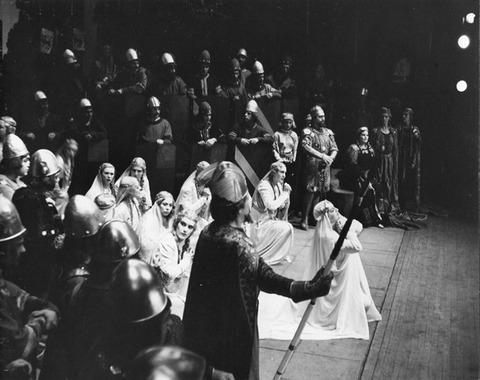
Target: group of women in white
(168, 230)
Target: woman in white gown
(346, 310)
(155, 223)
(127, 206)
(173, 259)
(138, 170)
(271, 231)
(103, 182)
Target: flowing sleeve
(266, 192)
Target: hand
(236, 97)
(160, 142)
(19, 366)
(88, 137)
(269, 95)
(112, 92)
(51, 136)
(220, 375)
(328, 160)
(254, 141)
(31, 136)
(209, 143)
(50, 317)
(287, 187)
(201, 143)
(320, 284)
(244, 141)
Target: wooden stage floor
(426, 286)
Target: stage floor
(425, 284)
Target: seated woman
(359, 172)
(271, 232)
(155, 223)
(346, 310)
(103, 182)
(173, 259)
(127, 207)
(138, 170)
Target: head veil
(151, 228)
(127, 187)
(97, 187)
(144, 183)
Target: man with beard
(39, 215)
(319, 149)
(167, 82)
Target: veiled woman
(127, 206)
(271, 231)
(346, 310)
(138, 170)
(155, 223)
(104, 182)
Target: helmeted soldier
(89, 308)
(155, 129)
(7, 125)
(234, 88)
(166, 81)
(167, 363)
(203, 83)
(23, 318)
(256, 86)
(242, 59)
(39, 214)
(15, 165)
(319, 149)
(46, 129)
(141, 318)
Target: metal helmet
(243, 52)
(252, 106)
(257, 68)
(10, 224)
(167, 59)
(10, 123)
(235, 65)
(167, 363)
(153, 102)
(116, 241)
(83, 218)
(69, 57)
(84, 103)
(136, 292)
(132, 55)
(205, 108)
(43, 164)
(225, 180)
(13, 146)
(204, 57)
(40, 95)
(104, 201)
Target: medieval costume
(127, 207)
(271, 232)
(345, 311)
(15, 165)
(146, 199)
(65, 158)
(99, 186)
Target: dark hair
(13, 163)
(224, 211)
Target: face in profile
(280, 174)
(334, 215)
(24, 166)
(248, 116)
(185, 228)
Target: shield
(217, 153)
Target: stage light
(464, 41)
(461, 86)
(470, 18)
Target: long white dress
(271, 233)
(343, 313)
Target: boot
(306, 207)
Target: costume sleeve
(267, 193)
(270, 282)
(264, 137)
(276, 146)
(295, 146)
(99, 133)
(168, 135)
(233, 137)
(140, 83)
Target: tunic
(9, 186)
(409, 145)
(151, 132)
(316, 174)
(220, 316)
(285, 144)
(386, 165)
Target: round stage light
(470, 18)
(463, 41)
(461, 86)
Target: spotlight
(464, 41)
(461, 86)
(470, 18)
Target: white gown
(343, 313)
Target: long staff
(336, 250)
